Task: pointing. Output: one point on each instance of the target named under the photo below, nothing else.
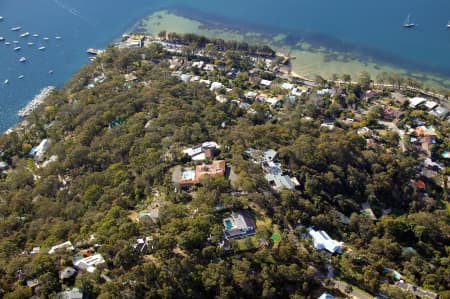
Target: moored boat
(35, 35)
(22, 59)
(408, 23)
(21, 77)
(6, 81)
(16, 28)
(17, 48)
(30, 43)
(25, 34)
(2, 38)
(41, 48)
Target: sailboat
(448, 24)
(408, 23)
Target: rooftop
(240, 224)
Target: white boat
(21, 77)
(6, 81)
(2, 38)
(41, 48)
(30, 43)
(1, 18)
(448, 24)
(16, 28)
(22, 59)
(7, 43)
(45, 38)
(58, 37)
(35, 35)
(408, 23)
(50, 72)
(17, 48)
(15, 41)
(25, 34)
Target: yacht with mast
(408, 23)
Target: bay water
(371, 28)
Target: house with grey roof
(275, 176)
(440, 112)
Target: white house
(207, 82)
(430, 105)
(216, 85)
(71, 294)
(265, 82)
(287, 86)
(326, 91)
(90, 263)
(198, 153)
(39, 150)
(64, 246)
(272, 101)
(322, 240)
(414, 102)
(251, 95)
(198, 64)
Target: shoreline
(310, 59)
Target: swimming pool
(228, 224)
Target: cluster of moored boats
(34, 38)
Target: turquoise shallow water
(368, 28)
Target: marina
(36, 102)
